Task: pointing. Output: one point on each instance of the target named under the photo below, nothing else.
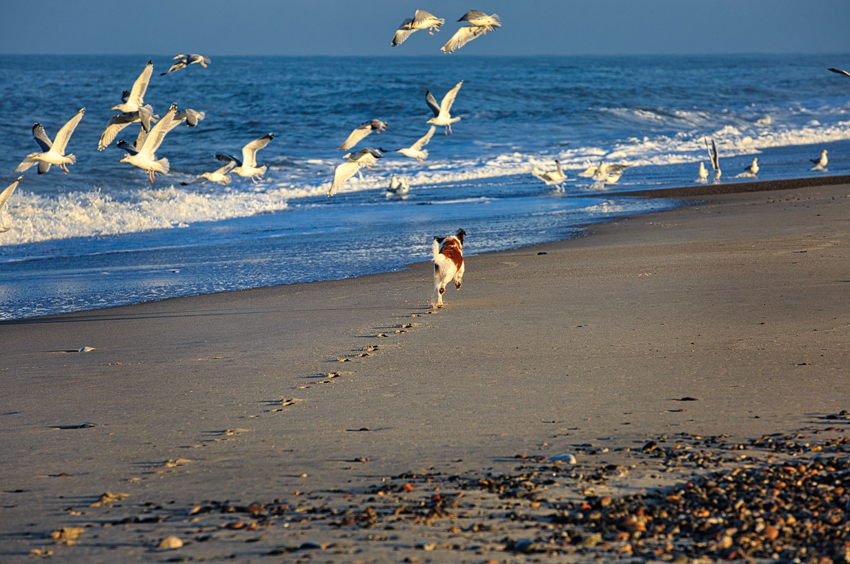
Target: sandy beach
(729, 316)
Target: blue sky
(365, 27)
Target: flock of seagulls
(479, 24)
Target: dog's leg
(459, 276)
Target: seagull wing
(343, 172)
(249, 151)
(424, 140)
(472, 15)
(432, 103)
(449, 99)
(27, 164)
(839, 71)
(228, 159)
(41, 137)
(137, 94)
(226, 168)
(5, 194)
(64, 134)
(114, 126)
(157, 133)
(589, 172)
(127, 147)
(715, 158)
(175, 67)
(463, 36)
(403, 32)
(356, 136)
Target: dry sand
(311, 393)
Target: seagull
(219, 175)
(421, 20)
(556, 177)
(184, 61)
(190, 116)
(605, 173)
(145, 158)
(480, 24)
(441, 112)
(364, 157)
(247, 167)
(362, 131)
(703, 173)
(839, 71)
(753, 169)
(134, 101)
(398, 187)
(53, 153)
(713, 157)
(119, 122)
(820, 164)
(4, 196)
(416, 151)
(480, 19)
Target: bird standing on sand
(53, 153)
(556, 177)
(364, 157)
(820, 164)
(184, 61)
(442, 113)
(713, 157)
(421, 20)
(480, 24)
(4, 197)
(145, 159)
(416, 151)
(362, 131)
(703, 173)
(247, 167)
(398, 187)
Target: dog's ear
(439, 239)
(460, 234)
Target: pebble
(170, 543)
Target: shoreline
(327, 389)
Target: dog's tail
(435, 249)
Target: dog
(448, 262)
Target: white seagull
(416, 151)
(820, 164)
(398, 187)
(480, 24)
(605, 173)
(421, 20)
(184, 61)
(703, 173)
(364, 157)
(4, 197)
(190, 116)
(442, 115)
(220, 175)
(362, 131)
(145, 158)
(117, 123)
(713, 157)
(556, 177)
(135, 100)
(247, 167)
(52, 153)
(753, 169)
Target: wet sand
(729, 316)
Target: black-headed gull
(53, 153)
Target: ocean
(103, 235)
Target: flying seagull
(364, 157)
(441, 112)
(145, 158)
(362, 131)
(820, 164)
(4, 197)
(556, 177)
(416, 151)
(713, 157)
(247, 167)
(220, 175)
(421, 20)
(184, 61)
(398, 187)
(479, 24)
(53, 153)
(135, 100)
(839, 71)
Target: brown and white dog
(448, 262)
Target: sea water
(104, 235)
